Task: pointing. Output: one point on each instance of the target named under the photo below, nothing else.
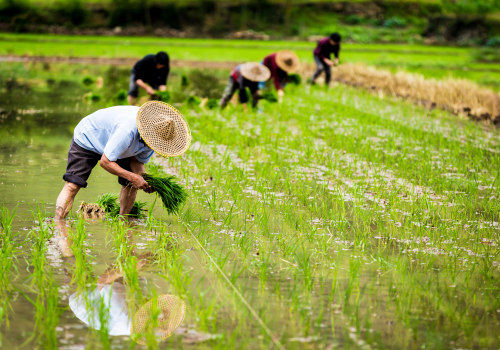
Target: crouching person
(247, 75)
(123, 139)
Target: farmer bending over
(247, 75)
(152, 70)
(322, 56)
(123, 139)
(280, 64)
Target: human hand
(281, 93)
(328, 62)
(141, 184)
(150, 90)
(336, 62)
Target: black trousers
(81, 162)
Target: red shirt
(324, 49)
(277, 74)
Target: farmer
(281, 64)
(322, 56)
(152, 70)
(123, 139)
(243, 76)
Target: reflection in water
(108, 303)
(112, 298)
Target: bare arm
(146, 87)
(136, 180)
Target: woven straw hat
(163, 128)
(287, 61)
(255, 71)
(171, 311)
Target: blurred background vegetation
(462, 22)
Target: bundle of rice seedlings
(87, 81)
(295, 79)
(212, 103)
(138, 210)
(91, 210)
(163, 96)
(171, 193)
(121, 96)
(270, 96)
(193, 101)
(108, 204)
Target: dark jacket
(145, 70)
(324, 49)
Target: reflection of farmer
(123, 139)
(322, 56)
(110, 294)
(281, 64)
(152, 70)
(108, 301)
(245, 76)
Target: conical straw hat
(163, 128)
(172, 310)
(255, 71)
(287, 61)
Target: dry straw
(460, 96)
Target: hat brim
(154, 111)
(165, 302)
(255, 71)
(283, 56)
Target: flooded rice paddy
(343, 219)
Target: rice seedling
(344, 220)
(7, 262)
(107, 204)
(46, 304)
(172, 195)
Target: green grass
(457, 62)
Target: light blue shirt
(113, 132)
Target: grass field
(48, 2)
(428, 60)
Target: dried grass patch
(459, 96)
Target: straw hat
(255, 71)
(163, 128)
(171, 310)
(287, 61)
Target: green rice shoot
(109, 202)
(173, 195)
